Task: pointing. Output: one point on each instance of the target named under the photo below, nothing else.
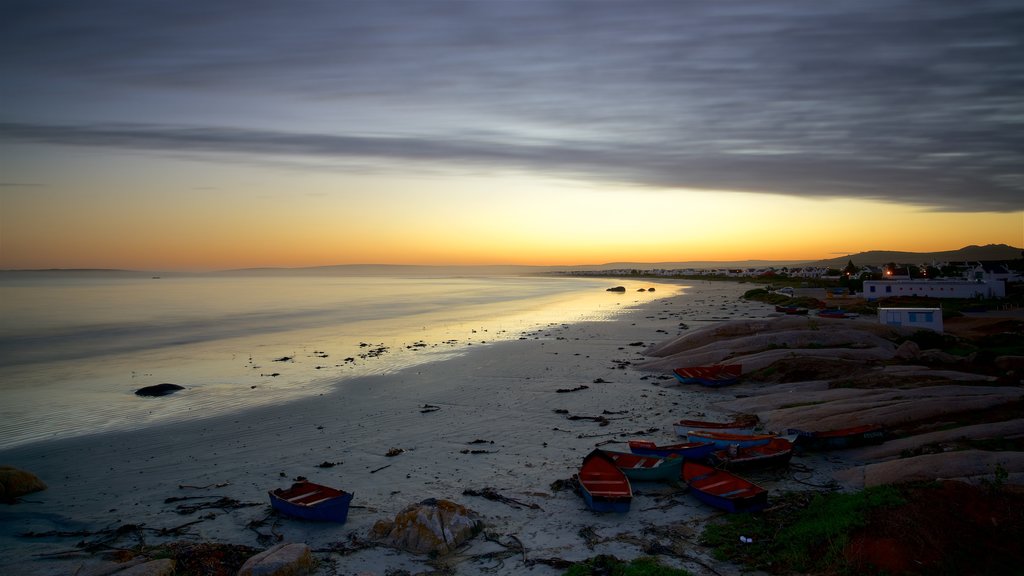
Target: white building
(925, 318)
(876, 289)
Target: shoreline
(503, 393)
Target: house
(876, 289)
(924, 318)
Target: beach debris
(429, 408)
(283, 558)
(15, 483)
(285, 359)
(468, 451)
(599, 381)
(433, 526)
(158, 390)
(394, 452)
(326, 464)
(493, 495)
(479, 441)
(576, 389)
(375, 470)
(616, 289)
(221, 503)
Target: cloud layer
(918, 102)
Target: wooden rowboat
(687, 450)
(724, 490)
(839, 439)
(792, 310)
(714, 375)
(743, 425)
(642, 468)
(310, 501)
(776, 452)
(722, 440)
(604, 487)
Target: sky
(188, 135)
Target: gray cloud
(919, 102)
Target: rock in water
(159, 390)
(15, 483)
(285, 559)
(430, 527)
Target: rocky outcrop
(285, 559)
(430, 527)
(971, 466)
(15, 483)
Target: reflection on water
(73, 349)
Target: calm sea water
(74, 347)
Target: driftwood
(576, 389)
(492, 494)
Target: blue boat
(603, 486)
(309, 501)
(723, 490)
(688, 450)
(839, 439)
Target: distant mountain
(970, 253)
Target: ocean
(75, 346)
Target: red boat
(724, 490)
(605, 488)
(742, 425)
(714, 375)
(775, 453)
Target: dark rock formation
(159, 390)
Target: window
(872, 289)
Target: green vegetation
(803, 533)
(606, 565)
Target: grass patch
(606, 565)
(804, 533)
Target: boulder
(616, 289)
(15, 483)
(908, 350)
(159, 390)
(284, 559)
(430, 527)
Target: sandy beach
(505, 395)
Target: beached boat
(724, 490)
(776, 452)
(714, 375)
(836, 313)
(688, 450)
(603, 485)
(742, 425)
(838, 439)
(722, 440)
(310, 501)
(642, 468)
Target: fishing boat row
(604, 482)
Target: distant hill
(970, 253)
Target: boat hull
(777, 452)
(647, 468)
(603, 486)
(724, 490)
(689, 450)
(712, 376)
(308, 501)
(722, 441)
(838, 439)
(682, 427)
